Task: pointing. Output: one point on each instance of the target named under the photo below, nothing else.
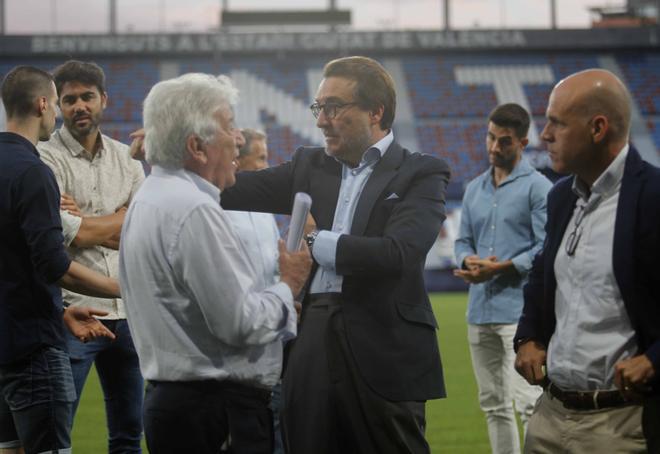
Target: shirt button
(490, 249)
(492, 227)
(494, 204)
(354, 172)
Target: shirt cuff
(289, 315)
(522, 263)
(70, 226)
(461, 258)
(325, 249)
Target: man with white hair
(204, 336)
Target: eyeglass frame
(317, 107)
(574, 237)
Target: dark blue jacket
(390, 326)
(635, 259)
(32, 255)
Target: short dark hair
(374, 86)
(250, 136)
(511, 116)
(21, 87)
(87, 73)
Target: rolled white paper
(301, 205)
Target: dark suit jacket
(389, 321)
(635, 259)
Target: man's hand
(136, 149)
(530, 362)
(481, 270)
(67, 203)
(632, 375)
(294, 267)
(83, 325)
(310, 224)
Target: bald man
(590, 327)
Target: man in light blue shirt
(502, 220)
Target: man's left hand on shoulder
(632, 375)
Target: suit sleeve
(530, 324)
(465, 244)
(267, 191)
(410, 230)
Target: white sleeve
(209, 261)
(70, 226)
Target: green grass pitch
(454, 425)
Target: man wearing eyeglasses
(502, 220)
(590, 327)
(366, 357)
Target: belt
(587, 400)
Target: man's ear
(600, 126)
(195, 149)
(524, 141)
(104, 100)
(42, 105)
(376, 115)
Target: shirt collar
(74, 147)
(607, 181)
(382, 145)
(201, 183)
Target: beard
(350, 149)
(93, 121)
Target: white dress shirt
(258, 234)
(194, 308)
(593, 330)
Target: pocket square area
(392, 196)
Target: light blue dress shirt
(353, 180)
(507, 222)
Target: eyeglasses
(329, 108)
(574, 237)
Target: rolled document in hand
(301, 205)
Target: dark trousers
(328, 408)
(197, 417)
(651, 423)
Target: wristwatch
(310, 238)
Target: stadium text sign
(267, 42)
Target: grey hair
(177, 108)
(250, 135)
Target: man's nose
(322, 120)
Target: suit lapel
(564, 207)
(325, 181)
(624, 227)
(383, 172)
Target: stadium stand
(447, 113)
